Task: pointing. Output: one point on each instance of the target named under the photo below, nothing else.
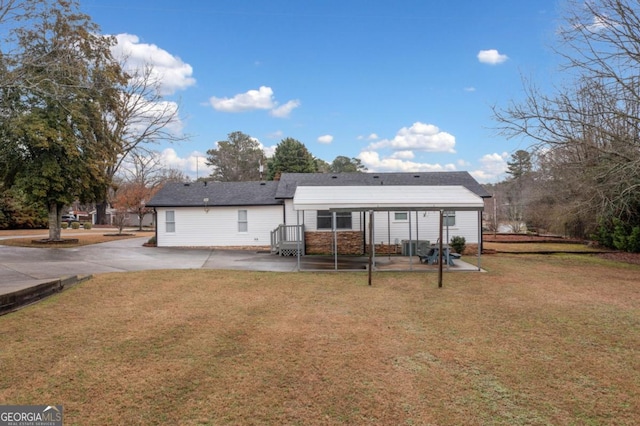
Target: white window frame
(449, 218)
(243, 221)
(404, 219)
(170, 221)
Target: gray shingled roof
(290, 181)
(219, 194)
(274, 192)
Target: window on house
(399, 216)
(343, 220)
(449, 218)
(170, 221)
(243, 221)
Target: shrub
(458, 244)
(75, 225)
(87, 225)
(64, 225)
(603, 234)
(619, 235)
(152, 240)
(633, 240)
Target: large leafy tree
(291, 156)
(342, 164)
(587, 133)
(236, 159)
(62, 81)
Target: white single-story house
(322, 213)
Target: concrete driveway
(26, 267)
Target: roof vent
(334, 177)
(187, 184)
(263, 183)
(416, 176)
(376, 177)
(205, 183)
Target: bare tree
(143, 117)
(588, 133)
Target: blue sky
(404, 85)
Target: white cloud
(420, 137)
(169, 70)
(193, 165)
(491, 57)
(374, 163)
(283, 111)
(325, 139)
(492, 167)
(469, 89)
(403, 155)
(250, 100)
(600, 23)
(153, 112)
(371, 137)
(269, 150)
(261, 99)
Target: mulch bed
(56, 242)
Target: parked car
(69, 218)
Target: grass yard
(538, 340)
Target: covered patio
(376, 199)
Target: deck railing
(286, 239)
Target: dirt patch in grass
(536, 340)
(622, 257)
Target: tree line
(241, 158)
(70, 116)
(581, 174)
(77, 125)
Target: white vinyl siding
(424, 226)
(218, 227)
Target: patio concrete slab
(23, 267)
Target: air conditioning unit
(415, 246)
